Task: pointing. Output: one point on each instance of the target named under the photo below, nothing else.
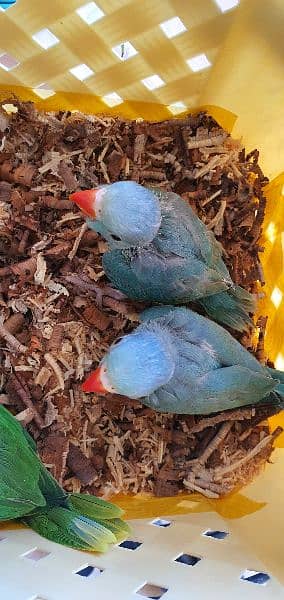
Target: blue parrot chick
(177, 361)
(161, 252)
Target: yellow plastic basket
(243, 90)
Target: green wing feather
(30, 440)
(51, 490)
(68, 527)
(50, 530)
(19, 470)
(95, 508)
(118, 527)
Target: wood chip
(43, 376)
(56, 369)
(81, 466)
(76, 245)
(66, 173)
(25, 417)
(13, 343)
(17, 386)
(41, 267)
(210, 141)
(212, 446)
(54, 453)
(96, 317)
(218, 222)
(251, 454)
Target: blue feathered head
(135, 366)
(128, 212)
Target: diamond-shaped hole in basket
(255, 577)
(130, 544)
(36, 554)
(8, 62)
(151, 591)
(188, 559)
(216, 534)
(161, 523)
(89, 571)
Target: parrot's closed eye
(116, 238)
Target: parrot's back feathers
(213, 371)
(14, 508)
(200, 331)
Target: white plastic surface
(31, 568)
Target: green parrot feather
(48, 529)
(19, 470)
(95, 507)
(118, 527)
(29, 493)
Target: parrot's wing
(19, 470)
(30, 440)
(200, 330)
(145, 274)
(53, 493)
(217, 390)
(184, 233)
(231, 387)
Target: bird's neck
(166, 343)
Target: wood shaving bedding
(58, 314)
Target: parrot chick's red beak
(94, 383)
(86, 200)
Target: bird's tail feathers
(75, 527)
(93, 507)
(273, 402)
(231, 308)
(280, 376)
